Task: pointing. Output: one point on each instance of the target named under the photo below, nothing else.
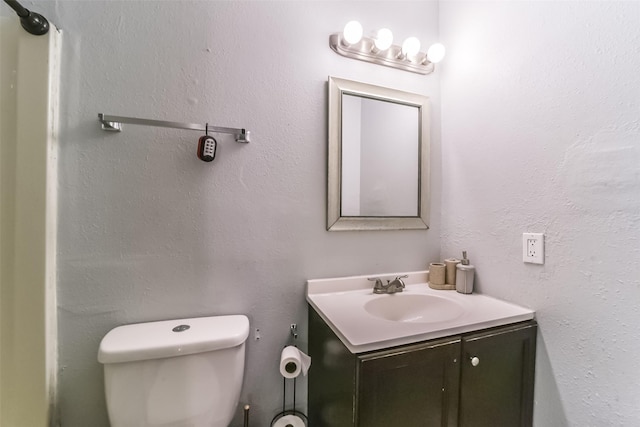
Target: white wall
(540, 130)
(148, 232)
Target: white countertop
(340, 302)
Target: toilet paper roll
(450, 270)
(293, 361)
(436, 273)
(289, 421)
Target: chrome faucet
(396, 285)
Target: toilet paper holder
(290, 417)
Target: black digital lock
(207, 146)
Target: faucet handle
(399, 279)
(378, 287)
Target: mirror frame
(336, 222)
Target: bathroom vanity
(470, 369)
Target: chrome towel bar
(114, 124)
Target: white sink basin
(413, 308)
(365, 321)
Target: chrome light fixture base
(365, 50)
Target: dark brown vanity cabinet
(484, 378)
(412, 386)
(497, 376)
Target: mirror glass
(378, 158)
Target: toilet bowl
(174, 373)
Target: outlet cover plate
(533, 248)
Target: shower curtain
(29, 89)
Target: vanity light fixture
(383, 39)
(380, 49)
(410, 48)
(436, 53)
(352, 33)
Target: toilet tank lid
(170, 338)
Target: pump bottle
(465, 273)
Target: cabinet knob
(475, 361)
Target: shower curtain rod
(32, 22)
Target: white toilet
(174, 373)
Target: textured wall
(541, 133)
(149, 232)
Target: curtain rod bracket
(32, 22)
(109, 126)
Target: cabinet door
(497, 374)
(332, 378)
(414, 386)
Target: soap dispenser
(465, 273)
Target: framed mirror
(378, 164)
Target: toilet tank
(174, 373)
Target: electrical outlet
(533, 248)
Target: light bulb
(411, 47)
(436, 53)
(383, 39)
(352, 32)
